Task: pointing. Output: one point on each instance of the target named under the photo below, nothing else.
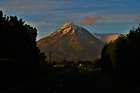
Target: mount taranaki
(72, 43)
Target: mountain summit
(71, 42)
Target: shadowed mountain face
(72, 43)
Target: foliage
(122, 56)
(19, 56)
(18, 41)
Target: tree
(123, 56)
(19, 55)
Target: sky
(97, 16)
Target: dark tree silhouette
(19, 55)
(123, 57)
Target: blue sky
(100, 16)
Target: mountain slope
(72, 43)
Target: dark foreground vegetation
(24, 69)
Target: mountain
(71, 42)
(108, 37)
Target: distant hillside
(107, 37)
